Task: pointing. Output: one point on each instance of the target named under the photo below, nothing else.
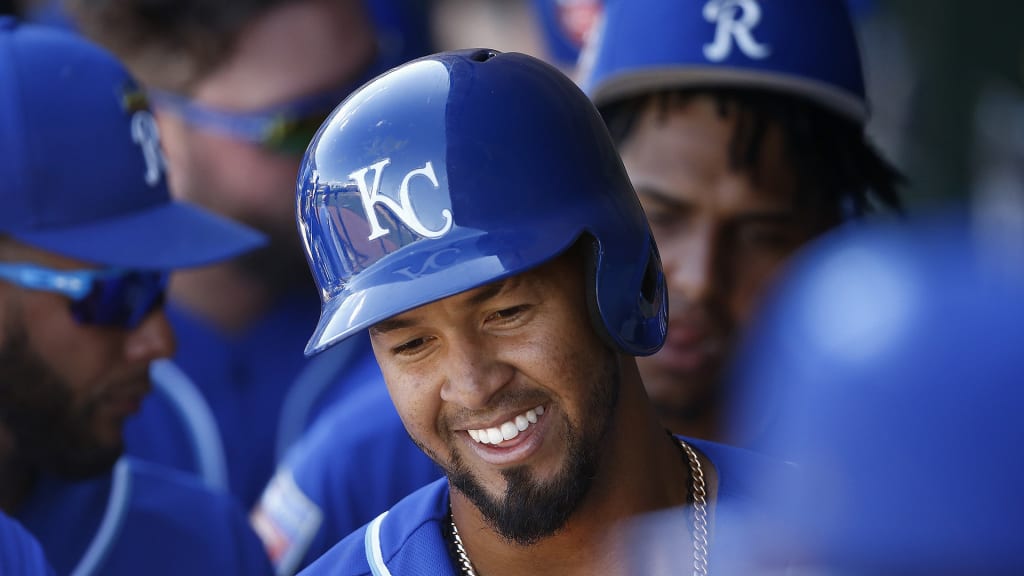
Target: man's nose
(473, 373)
(689, 259)
(152, 339)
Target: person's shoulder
(407, 539)
(20, 553)
(159, 520)
(738, 468)
(355, 462)
(165, 496)
(365, 423)
(148, 475)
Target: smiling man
(469, 210)
(741, 124)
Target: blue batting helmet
(462, 168)
(804, 47)
(888, 367)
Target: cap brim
(640, 81)
(166, 236)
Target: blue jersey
(20, 553)
(262, 391)
(353, 464)
(142, 518)
(176, 427)
(409, 538)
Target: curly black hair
(839, 172)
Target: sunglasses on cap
(285, 128)
(103, 297)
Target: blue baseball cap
(81, 168)
(564, 25)
(803, 47)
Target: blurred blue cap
(81, 168)
(804, 47)
(564, 25)
(888, 367)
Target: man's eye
(409, 347)
(507, 313)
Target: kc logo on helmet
(403, 209)
(734, 20)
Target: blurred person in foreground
(88, 234)
(887, 368)
(238, 88)
(742, 127)
(469, 210)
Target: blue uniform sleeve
(176, 525)
(356, 462)
(20, 553)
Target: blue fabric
(157, 433)
(806, 47)
(411, 534)
(167, 523)
(20, 553)
(248, 378)
(176, 427)
(356, 462)
(71, 122)
(564, 24)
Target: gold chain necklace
(700, 521)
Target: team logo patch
(146, 136)
(734, 22)
(403, 209)
(286, 520)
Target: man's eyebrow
(654, 194)
(479, 296)
(385, 326)
(487, 292)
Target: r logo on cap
(146, 135)
(734, 19)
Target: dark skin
(723, 234)
(479, 358)
(66, 388)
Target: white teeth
(522, 423)
(508, 430)
(494, 436)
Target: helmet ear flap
(649, 308)
(588, 247)
(653, 297)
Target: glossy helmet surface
(804, 47)
(462, 168)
